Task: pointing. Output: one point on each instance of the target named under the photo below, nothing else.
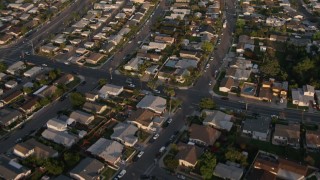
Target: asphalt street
(190, 96)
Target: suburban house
(90, 96)
(164, 39)
(81, 117)
(133, 64)
(11, 84)
(265, 94)
(94, 58)
(33, 71)
(88, 168)
(217, 119)
(108, 150)
(94, 107)
(154, 103)
(110, 89)
(190, 55)
(57, 124)
(313, 139)
(257, 128)
(16, 67)
(30, 105)
(35, 148)
(9, 116)
(303, 96)
(203, 135)
(65, 79)
(188, 155)
(12, 97)
(287, 135)
(280, 89)
(226, 84)
(125, 133)
(59, 137)
(269, 166)
(228, 171)
(11, 169)
(238, 74)
(48, 92)
(142, 118)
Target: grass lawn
(142, 135)
(217, 85)
(108, 173)
(128, 152)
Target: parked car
(132, 85)
(169, 120)
(156, 91)
(121, 174)
(45, 65)
(155, 136)
(140, 154)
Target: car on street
(45, 65)
(180, 176)
(169, 120)
(140, 154)
(210, 83)
(121, 174)
(155, 136)
(27, 53)
(66, 63)
(130, 42)
(18, 140)
(211, 59)
(208, 65)
(156, 91)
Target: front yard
(108, 173)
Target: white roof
(154, 103)
(59, 137)
(125, 132)
(228, 172)
(106, 149)
(218, 119)
(111, 89)
(32, 71)
(81, 117)
(56, 123)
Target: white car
(66, 63)
(211, 59)
(210, 83)
(208, 65)
(45, 65)
(130, 42)
(156, 136)
(157, 91)
(169, 120)
(140, 154)
(121, 174)
(132, 85)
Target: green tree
(3, 67)
(207, 47)
(270, 68)
(27, 90)
(77, 99)
(71, 159)
(207, 164)
(169, 91)
(171, 162)
(52, 75)
(304, 70)
(44, 101)
(152, 84)
(207, 103)
(316, 36)
(54, 166)
(236, 156)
